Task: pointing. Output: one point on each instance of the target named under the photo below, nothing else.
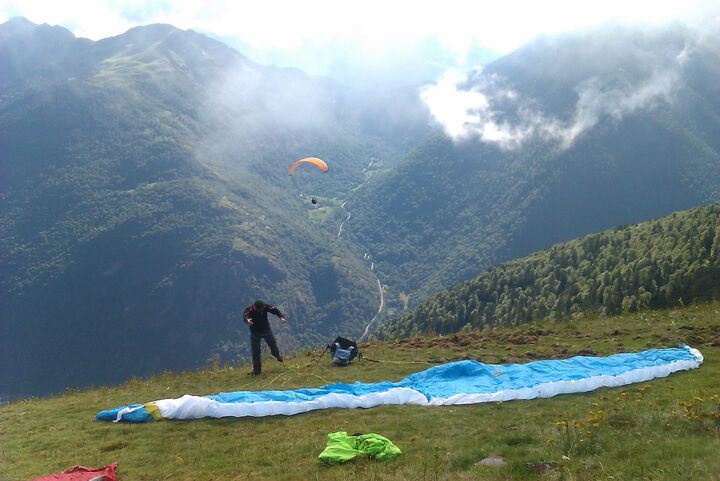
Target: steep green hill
(145, 202)
(659, 263)
(662, 429)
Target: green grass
(665, 429)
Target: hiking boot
(279, 358)
(253, 373)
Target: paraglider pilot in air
(256, 316)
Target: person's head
(259, 304)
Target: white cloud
(378, 24)
(85, 19)
(456, 109)
(373, 41)
(480, 109)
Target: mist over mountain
(565, 136)
(353, 63)
(145, 199)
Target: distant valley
(145, 198)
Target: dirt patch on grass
(700, 335)
(470, 340)
(492, 346)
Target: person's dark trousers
(255, 347)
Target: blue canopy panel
(461, 382)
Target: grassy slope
(663, 429)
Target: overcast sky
(312, 28)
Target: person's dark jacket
(259, 317)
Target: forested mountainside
(145, 202)
(567, 136)
(145, 199)
(654, 264)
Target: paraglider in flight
(310, 160)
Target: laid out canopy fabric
(460, 382)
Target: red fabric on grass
(81, 473)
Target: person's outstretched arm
(276, 311)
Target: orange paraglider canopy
(309, 160)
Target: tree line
(654, 264)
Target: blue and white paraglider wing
(461, 382)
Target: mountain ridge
(145, 190)
(606, 151)
(120, 215)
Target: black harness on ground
(343, 351)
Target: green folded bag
(342, 447)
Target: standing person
(256, 316)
